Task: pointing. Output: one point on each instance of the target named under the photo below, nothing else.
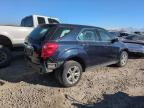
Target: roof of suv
(72, 25)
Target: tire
(70, 74)
(5, 56)
(123, 59)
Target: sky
(102, 13)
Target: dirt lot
(108, 87)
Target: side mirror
(114, 40)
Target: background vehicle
(12, 37)
(70, 49)
(135, 44)
(118, 34)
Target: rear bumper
(38, 68)
(45, 67)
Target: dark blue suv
(68, 50)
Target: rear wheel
(5, 56)
(70, 74)
(123, 59)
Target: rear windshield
(52, 21)
(39, 33)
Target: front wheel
(123, 59)
(5, 56)
(70, 74)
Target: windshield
(133, 37)
(41, 31)
(114, 34)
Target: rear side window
(27, 22)
(61, 32)
(88, 35)
(52, 21)
(41, 20)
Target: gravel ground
(107, 87)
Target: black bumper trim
(44, 68)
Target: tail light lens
(48, 49)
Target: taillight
(48, 49)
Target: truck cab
(35, 20)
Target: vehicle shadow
(118, 100)
(19, 71)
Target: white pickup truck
(12, 37)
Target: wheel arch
(5, 41)
(79, 60)
(125, 49)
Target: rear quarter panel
(69, 50)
